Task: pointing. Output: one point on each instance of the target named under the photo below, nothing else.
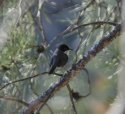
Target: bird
(59, 57)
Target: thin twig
(94, 23)
(72, 29)
(89, 83)
(15, 81)
(49, 108)
(23, 79)
(14, 99)
(71, 98)
(51, 111)
(36, 21)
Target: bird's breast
(62, 60)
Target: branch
(49, 108)
(14, 99)
(73, 72)
(71, 98)
(27, 78)
(68, 30)
(23, 79)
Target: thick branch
(73, 72)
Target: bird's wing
(54, 57)
(54, 61)
(53, 64)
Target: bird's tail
(52, 69)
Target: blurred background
(29, 33)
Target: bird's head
(64, 47)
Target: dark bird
(59, 57)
